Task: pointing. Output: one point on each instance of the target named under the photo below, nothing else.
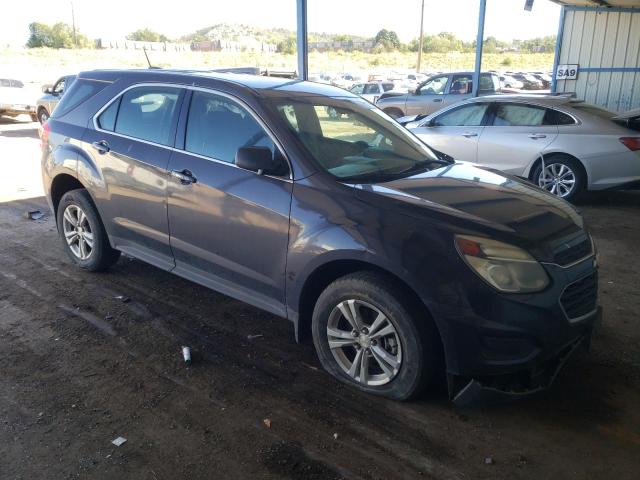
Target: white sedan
(563, 145)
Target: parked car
(563, 145)
(15, 99)
(346, 81)
(544, 78)
(394, 261)
(52, 95)
(371, 91)
(435, 93)
(529, 82)
(507, 81)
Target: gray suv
(397, 263)
(52, 95)
(435, 93)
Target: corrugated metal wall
(603, 41)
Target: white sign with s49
(567, 72)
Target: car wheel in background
(562, 175)
(82, 232)
(43, 115)
(368, 334)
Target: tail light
(44, 135)
(632, 143)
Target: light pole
(421, 37)
(73, 24)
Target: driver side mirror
(256, 159)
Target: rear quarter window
(79, 91)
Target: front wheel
(562, 176)
(83, 235)
(367, 334)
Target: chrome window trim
(233, 98)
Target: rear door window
(147, 113)
(517, 115)
(465, 116)
(372, 89)
(218, 126)
(460, 84)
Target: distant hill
(224, 31)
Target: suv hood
(471, 198)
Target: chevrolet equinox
(397, 262)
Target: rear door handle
(469, 134)
(536, 136)
(185, 176)
(102, 146)
(437, 99)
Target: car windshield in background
(354, 141)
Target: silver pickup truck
(435, 93)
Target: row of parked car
(563, 145)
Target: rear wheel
(83, 235)
(367, 334)
(562, 175)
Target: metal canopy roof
(599, 3)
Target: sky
(505, 19)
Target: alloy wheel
(558, 179)
(364, 342)
(77, 232)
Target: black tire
(557, 161)
(393, 112)
(43, 115)
(101, 255)
(417, 336)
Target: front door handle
(536, 136)
(469, 134)
(185, 176)
(102, 146)
(437, 100)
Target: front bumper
(524, 383)
(507, 346)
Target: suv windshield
(355, 141)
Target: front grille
(574, 253)
(581, 297)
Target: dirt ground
(80, 367)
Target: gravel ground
(80, 367)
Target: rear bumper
(508, 387)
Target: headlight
(503, 266)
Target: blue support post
(556, 58)
(303, 44)
(479, 41)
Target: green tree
(39, 35)
(287, 46)
(388, 39)
(147, 35)
(59, 35)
